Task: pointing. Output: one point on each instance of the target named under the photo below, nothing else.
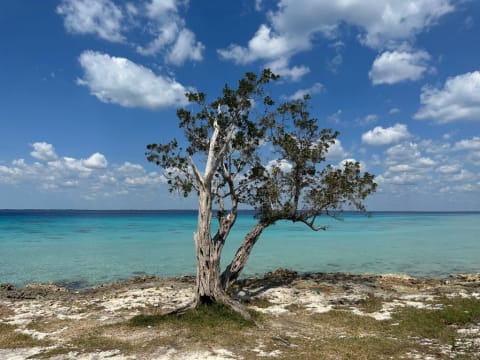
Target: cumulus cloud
(185, 48)
(336, 152)
(406, 165)
(118, 80)
(88, 177)
(381, 22)
(43, 151)
(468, 144)
(293, 26)
(281, 67)
(170, 35)
(314, 89)
(99, 17)
(122, 22)
(160, 8)
(380, 136)
(265, 44)
(96, 161)
(392, 67)
(458, 100)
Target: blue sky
(86, 84)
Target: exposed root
(182, 309)
(234, 305)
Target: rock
(467, 277)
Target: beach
(298, 316)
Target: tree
(232, 136)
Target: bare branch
(197, 174)
(209, 167)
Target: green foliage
(239, 141)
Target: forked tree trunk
(208, 285)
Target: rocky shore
(297, 312)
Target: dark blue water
(87, 248)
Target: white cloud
(283, 165)
(265, 44)
(171, 37)
(43, 151)
(336, 152)
(380, 136)
(392, 67)
(448, 169)
(314, 89)
(120, 81)
(394, 111)
(90, 177)
(281, 67)
(459, 99)
(128, 22)
(161, 8)
(147, 179)
(165, 34)
(185, 48)
(405, 165)
(100, 17)
(129, 168)
(468, 144)
(381, 24)
(406, 152)
(96, 161)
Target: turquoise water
(86, 248)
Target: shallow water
(86, 248)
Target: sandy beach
(296, 314)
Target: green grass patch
(371, 304)
(215, 315)
(349, 323)
(98, 342)
(10, 339)
(358, 348)
(438, 324)
(49, 324)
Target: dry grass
(5, 311)
(11, 339)
(371, 304)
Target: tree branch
(197, 174)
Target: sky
(87, 84)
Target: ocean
(81, 249)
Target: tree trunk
(207, 254)
(208, 286)
(234, 269)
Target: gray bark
(239, 261)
